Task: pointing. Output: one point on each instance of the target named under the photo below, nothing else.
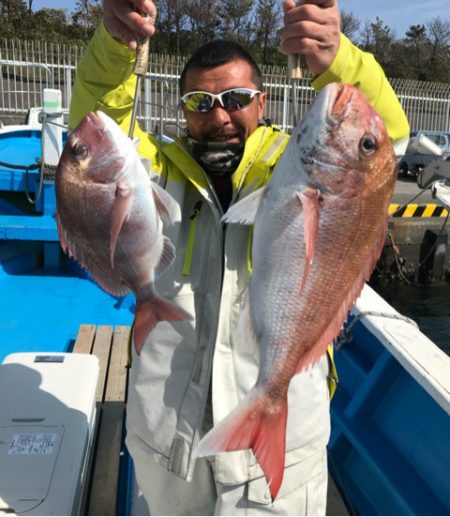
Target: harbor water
(427, 305)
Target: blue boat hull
(389, 452)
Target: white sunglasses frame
(218, 97)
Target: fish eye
(80, 151)
(368, 144)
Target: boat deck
(111, 348)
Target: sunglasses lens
(201, 102)
(198, 101)
(236, 99)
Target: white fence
(27, 67)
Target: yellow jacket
(169, 381)
(105, 82)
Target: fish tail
(152, 311)
(257, 424)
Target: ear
(261, 104)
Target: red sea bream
(109, 216)
(319, 228)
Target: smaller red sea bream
(109, 216)
(319, 228)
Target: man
(227, 152)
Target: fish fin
(166, 206)
(167, 256)
(254, 425)
(105, 279)
(309, 199)
(64, 239)
(244, 211)
(151, 311)
(120, 214)
(108, 282)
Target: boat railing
(27, 64)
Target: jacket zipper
(187, 262)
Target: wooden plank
(106, 468)
(85, 339)
(117, 377)
(96, 342)
(102, 348)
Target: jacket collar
(180, 156)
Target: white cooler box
(47, 416)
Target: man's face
(218, 124)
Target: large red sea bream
(109, 217)
(319, 228)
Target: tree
(13, 18)
(204, 18)
(171, 26)
(378, 38)
(267, 23)
(439, 36)
(50, 25)
(416, 37)
(87, 16)
(439, 41)
(349, 24)
(236, 19)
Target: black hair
(220, 52)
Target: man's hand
(311, 28)
(124, 22)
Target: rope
(346, 335)
(31, 167)
(397, 257)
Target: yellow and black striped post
(414, 210)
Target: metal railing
(26, 68)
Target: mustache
(214, 133)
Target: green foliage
(422, 53)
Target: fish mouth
(343, 94)
(96, 119)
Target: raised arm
(312, 28)
(105, 79)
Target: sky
(397, 14)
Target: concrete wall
(416, 249)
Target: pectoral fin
(120, 214)
(309, 199)
(166, 206)
(167, 256)
(244, 211)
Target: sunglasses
(231, 100)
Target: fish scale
(320, 225)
